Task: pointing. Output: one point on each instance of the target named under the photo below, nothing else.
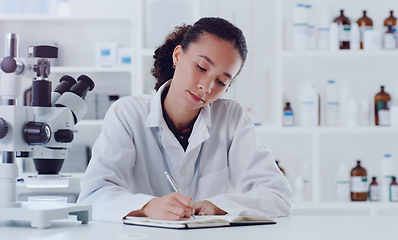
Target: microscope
(43, 131)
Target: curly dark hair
(185, 35)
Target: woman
(207, 144)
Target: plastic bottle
(311, 27)
(288, 116)
(332, 104)
(389, 39)
(334, 42)
(344, 30)
(388, 170)
(374, 190)
(364, 23)
(305, 173)
(394, 190)
(359, 183)
(391, 20)
(299, 189)
(309, 106)
(382, 108)
(352, 113)
(355, 37)
(342, 184)
(324, 32)
(300, 28)
(365, 114)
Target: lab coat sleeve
(107, 181)
(260, 189)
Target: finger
(179, 211)
(186, 201)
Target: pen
(174, 185)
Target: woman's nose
(205, 84)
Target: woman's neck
(183, 120)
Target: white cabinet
(325, 147)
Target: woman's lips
(195, 98)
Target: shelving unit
(323, 147)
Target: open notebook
(200, 222)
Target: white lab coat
(126, 169)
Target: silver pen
(174, 185)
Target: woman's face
(204, 71)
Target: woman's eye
(200, 68)
(221, 82)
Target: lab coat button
(183, 171)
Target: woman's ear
(177, 54)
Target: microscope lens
(66, 82)
(83, 85)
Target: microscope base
(40, 215)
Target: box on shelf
(105, 54)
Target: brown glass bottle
(382, 100)
(391, 20)
(363, 23)
(280, 168)
(358, 183)
(374, 190)
(344, 30)
(288, 117)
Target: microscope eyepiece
(66, 82)
(83, 85)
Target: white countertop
(292, 228)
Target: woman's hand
(173, 206)
(207, 208)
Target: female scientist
(207, 144)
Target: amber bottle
(288, 117)
(280, 168)
(382, 105)
(374, 190)
(364, 22)
(359, 183)
(391, 20)
(344, 30)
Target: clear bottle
(389, 38)
(332, 104)
(280, 168)
(374, 190)
(359, 183)
(394, 190)
(388, 169)
(382, 108)
(391, 20)
(288, 116)
(364, 23)
(342, 184)
(344, 30)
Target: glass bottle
(358, 183)
(288, 117)
(344, 30)
(364, 23)
(382, 107)
(391, 20)
(374, 190)
(394, 190)
(280, 168)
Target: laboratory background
(320, 84)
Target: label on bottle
(288, 119)
(359, 184)
(389, 41)
(384, 117)
(374, 192)
(344, 33)
(394, 193)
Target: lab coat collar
(155, 116)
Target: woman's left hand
(207, 208)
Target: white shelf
(91, 69)
(329, 130)
(340, 53)
(52, 18)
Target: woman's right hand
(172, 206)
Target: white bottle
(352, 113)
(300, 28)
(311, 28)
(355, 37)
(299, 189)
(342, 184)
(323, 32)
(394, 113)
(334, 37)
(305, 172)
(309, 106)
(332, 104)
(388, 170)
